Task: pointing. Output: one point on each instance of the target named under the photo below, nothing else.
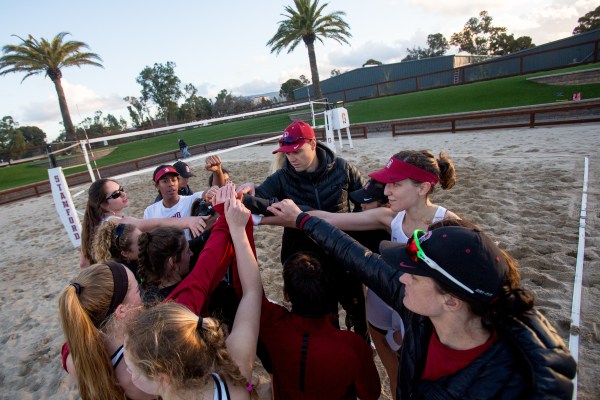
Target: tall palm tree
(36, 57)
(307, 23)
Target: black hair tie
(77, 287)
(199, 327)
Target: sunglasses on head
(292, 139)
(118, 233)
(414, 250)
(116, 194)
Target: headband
(121, 285)
(397, 170)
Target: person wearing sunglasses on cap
(313, 176)
(107, 200)
(471, 330)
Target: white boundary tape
(576, 307)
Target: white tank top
(398, 234)
(379, 314)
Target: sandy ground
(524, 186)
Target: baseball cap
(465, 260)
(294, 136)
(183, 169)
(372, 191)
(397, 170)
(162, 170)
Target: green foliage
(17, 145)
(505, 44)
(438, 46)
(371, 61)
(307, 23)
(137, 109)
(34, 57)
(161, 86)
(288, 87)
(480, 37)
(33, 135)
(588, 22)
(7, 126)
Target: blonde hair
(106, 247)
(278, 162)
(164, 339)
(81, 316)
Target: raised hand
(196, 225)
(224, 193)
(247, 187)
(212, 163)
(236, 214)
(285, 209)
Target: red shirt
(314, 360)
(444, 361)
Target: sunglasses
(416, 253)
(116, 194)
(118, 233)
(291, 140)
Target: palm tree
(307, 23)
(36, 57)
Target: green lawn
(499, 93)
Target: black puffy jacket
(325, 189)
(529, 360)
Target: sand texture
(523, 186)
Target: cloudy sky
(221, 45)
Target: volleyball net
(310, 112)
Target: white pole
(87, 160)
(576, 305)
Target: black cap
(467, 255)
(183, 169)
(372, 191)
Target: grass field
(499, 93)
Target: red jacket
(314, 360)
(216, 257)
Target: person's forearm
(247, 266)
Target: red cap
(162, 171)
(397, 170)
(294, 137)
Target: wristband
(301, 219)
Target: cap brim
(186, 175)
(395, 255)
(290, 147)
(358, 196)
(384, 175)
(159, 177)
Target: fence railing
(517, 117)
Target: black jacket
(325, 189)
(529, 359)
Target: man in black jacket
(313, 176)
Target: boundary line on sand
(576, 305)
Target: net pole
(87, 160)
